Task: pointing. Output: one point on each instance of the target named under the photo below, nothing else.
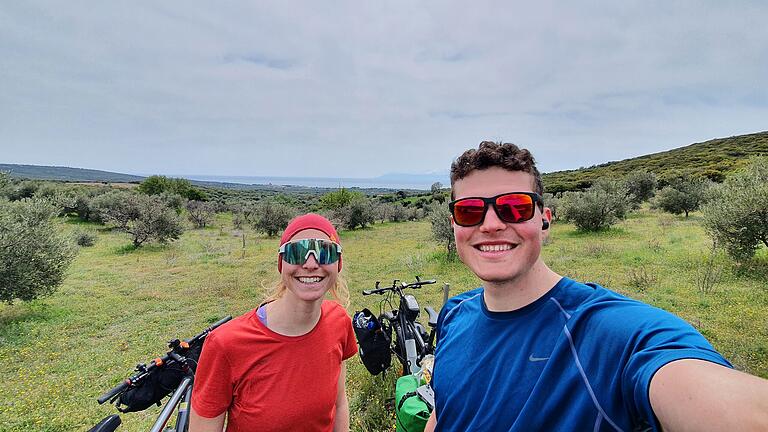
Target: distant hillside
(39, 172)
(67, 174)
(713, 159)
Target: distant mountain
(40, 172)
(714, 159)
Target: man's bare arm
(697, 395)
(431, 423)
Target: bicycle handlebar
(115, 390)
(403, 285)
(169, 357)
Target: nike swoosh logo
(531, 358)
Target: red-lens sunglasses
(510, 207)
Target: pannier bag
(158, 384)
(411, 412)
(372, 341)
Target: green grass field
(119, 307)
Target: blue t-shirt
(580, 358)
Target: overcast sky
(363, 88)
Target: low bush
(84, 238)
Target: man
(534, 351)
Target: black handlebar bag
(373, 343)
(157, 385)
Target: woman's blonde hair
(339, 291)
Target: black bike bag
(157, 385)
(372, 341)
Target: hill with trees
(713, 159)
(40, 172)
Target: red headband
(305, 222)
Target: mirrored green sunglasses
(297, 252)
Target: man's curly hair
(491, 154)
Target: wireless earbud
(545, 225)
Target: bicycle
(411, 342)
(149, 385)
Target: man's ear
(546, 217)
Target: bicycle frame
(410, 346)
(181, 397)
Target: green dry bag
(410, 411)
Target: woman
(280, 367)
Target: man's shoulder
(457, 300)
(618, 313)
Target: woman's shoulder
(335, 311)
(234, 329)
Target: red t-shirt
(269, 382)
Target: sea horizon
(395, 182)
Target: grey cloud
(253, 89)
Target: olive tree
(116, 208)
(271, 217)
(5, 183)
(144, 217)
(641, 186)
(358, 212)
(33, 255)
(339, 198)
(200, 213)
(684, 194)
(736, 214)
(599, 207)
(442, 231)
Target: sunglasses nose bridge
(313, 253)
(492, 219)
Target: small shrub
(654, 245)
(595, 250)
(708, 274)
(640, 278)
(85, 239)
